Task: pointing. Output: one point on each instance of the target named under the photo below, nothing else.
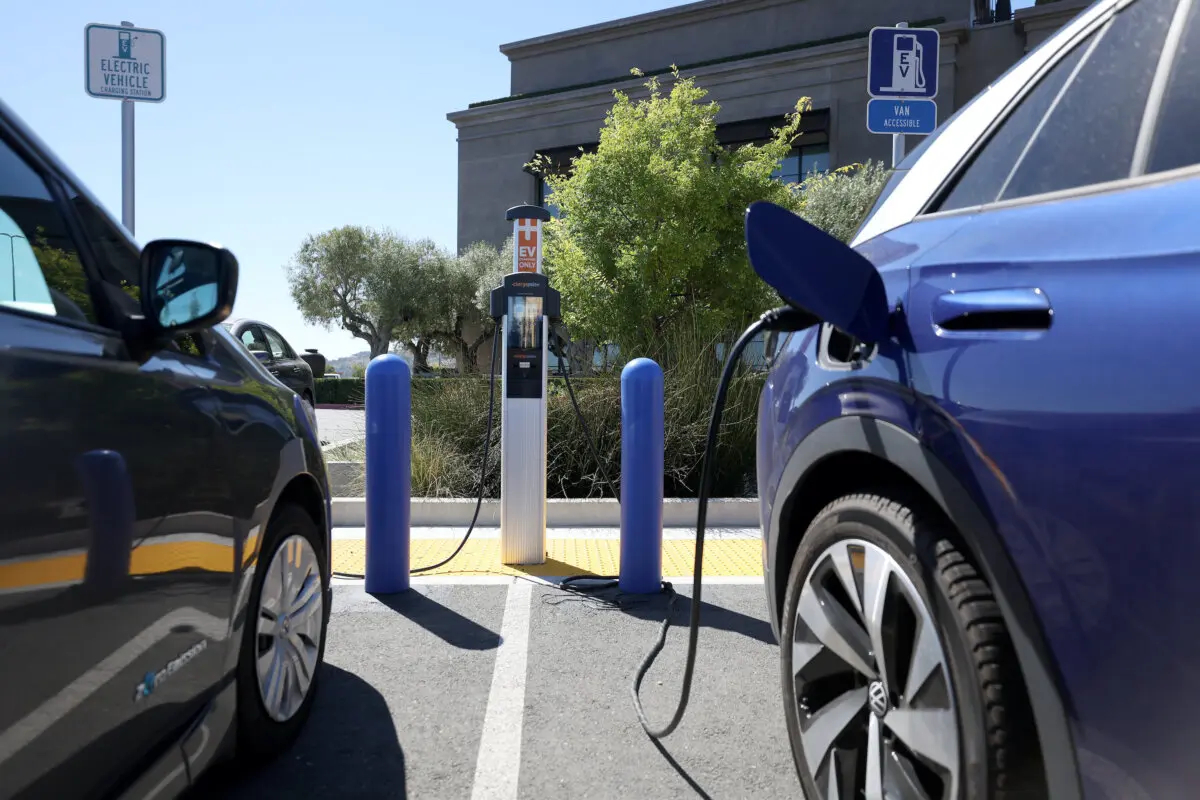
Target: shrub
(340, 390)
(450, 418)
(837, 202)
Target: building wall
(496, 139)
(701, 32)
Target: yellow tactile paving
(722, 557)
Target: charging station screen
(525, 323)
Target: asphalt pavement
(339, 425)
(508, 688)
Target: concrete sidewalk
(728, 552)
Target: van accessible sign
(125, 63)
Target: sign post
(902, 79)
(125, 63)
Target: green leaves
(652, 222)
(376, 285)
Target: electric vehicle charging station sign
(125, 63)
(528, 246)
(902, 79)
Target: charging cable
(487, 442)
(786, 318)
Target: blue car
(981, 526)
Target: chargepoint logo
(153, 680)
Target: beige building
(756, 58)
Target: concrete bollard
(642, 443)
(389, 474)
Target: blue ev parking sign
(903, 63)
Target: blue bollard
(641, 477)
(108, 492)
(389, 473)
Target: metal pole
(898, 138)
(127, 158)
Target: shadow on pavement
(683, 773)
(348, 748)
(653, 607)
(445, 623)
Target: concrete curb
(351, 512)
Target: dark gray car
(164, 507)
(269, 347)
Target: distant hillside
(344, 366)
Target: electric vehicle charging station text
(524, 305)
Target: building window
(545, 193)
(803, 162)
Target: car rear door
(1053, 338)
(108, 547)
(285, 365)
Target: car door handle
(1019, 310)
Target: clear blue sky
(281, 118)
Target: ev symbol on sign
(528, 235)
(903, 62)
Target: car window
(1090, 132)
(40, 269)
(279, 348)
(253, 339)
(1176, 143)
(984, 177)
(117, 260)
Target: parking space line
(498, 766)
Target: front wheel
(283, 644)
(898, 674)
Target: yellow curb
(722, 557)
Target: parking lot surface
(341, 425)
(507, 687)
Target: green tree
(467, 292)
(838, 201)
(376, 285)
(651, 231)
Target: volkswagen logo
(877, 698)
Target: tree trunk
(421, 354)
(379, 346)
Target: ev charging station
(525, 305)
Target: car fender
(902, 449)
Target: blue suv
(979, 490)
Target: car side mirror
(187, 286)
(261, 355)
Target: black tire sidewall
(912, 547)
(258, 734)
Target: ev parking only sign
(125, 63)
(902, 80)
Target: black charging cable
(487, 442)
(786, 318)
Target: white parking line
(499, 763)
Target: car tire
(947, 709)
(278, 671)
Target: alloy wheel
(874, 698)
(290, 616)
